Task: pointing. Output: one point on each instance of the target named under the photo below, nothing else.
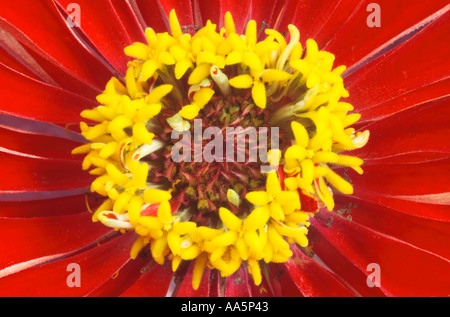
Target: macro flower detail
(222, 148)
(226, 80)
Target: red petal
(421, 232)
(102, 26)
(322, 23)
(154, 283)
(97, 265)
(268, 286)
(27, 239)
(186, 289)
(428, 210)
(49, 103)
(126, 276)
(405, 270)
(52, 38)
(404, 179)
(124, 10)
(262, 12)
(320, 19)
(341, 265)
(183, 10)
(151, 13)
(418, 129)
(208, 10)
(60, 206)
(415, 157)
(240, 10)
(51, 73)
(313, 279)
(43, 146)
(23, 174)
(237, 284)
(408, 70)
(7, 59)
(215, 287)
(37, 67)
(283, 15)
(282, 283)
(411, 99)
(355, 39)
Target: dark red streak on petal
(424, 233)
(420, 61)
(342, 266)
(125, 277)
(96, 266)
(186, 290)
(405, 269)
(51, 207)
(32, 99)
(44, 146)
(152, 283)
(356, 39)
(404, 179)
(23, 174)
(425, 128)
(152, 15)
(313, 279)
(432, 211)
(417, 97)
(104, 29)
(31, 238)
(51, 38)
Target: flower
(285, 233)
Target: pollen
(224, 213)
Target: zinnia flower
(348, 197)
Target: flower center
(224, 150)
(218, 148)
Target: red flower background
(398, 216)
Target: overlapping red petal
(154, 282)
(420, 206)
(420, 61)
(313, 279)
(415, 130)
(125, 277)
(238, 284)
(342, 266)
(404, 179)
(48, 207)
(106, 31)
(96, 266)
(405, 268)
(185, 284)
(52, 39)
(356, 40)
(26, 143)
(32, 99)
(24, 174)
(25, 239)
(427, 234)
